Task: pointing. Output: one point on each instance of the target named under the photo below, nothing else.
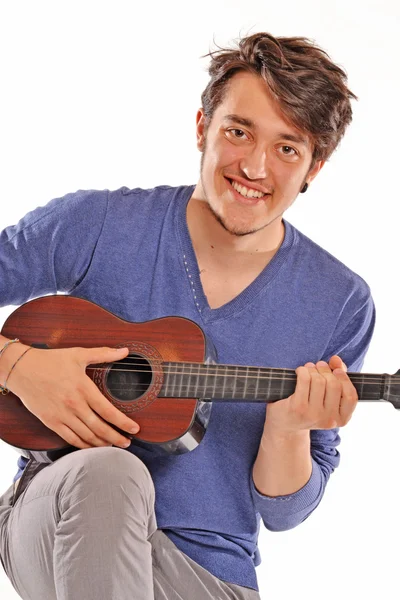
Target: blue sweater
(130, 252)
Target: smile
(246, 192)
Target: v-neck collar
(191, 267)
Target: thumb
(104, 354)
(337, 363)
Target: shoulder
(327, 273)
(74, 209)
(160, 197)
(88, 207)
(154, 208)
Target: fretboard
(238, 383)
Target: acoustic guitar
(167, 383)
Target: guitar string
(366, 378)
(229, 369)
(215, 366)
(197, 388)
(187, 388)
(194, 395)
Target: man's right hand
(53, 385)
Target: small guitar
(166, 383)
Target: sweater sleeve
(51, 248)
(350, 341)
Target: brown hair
(310, 89)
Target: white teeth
(244, 191)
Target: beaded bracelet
(3, 388)
(7, 344)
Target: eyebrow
(241, 120)
(249, 123)
(294, 138)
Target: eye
(237, 134)
(288, 151)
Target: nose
(254, 164)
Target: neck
(256, 384)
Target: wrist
(289, 435)
(8, 358)
(283, 464)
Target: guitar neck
(238, 383)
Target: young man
(221, 254)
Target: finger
(95, 398)
(107, 411)
(92, 430)
(90, 356)
(337, 363)
(317, 392)
(302, 390)
(349, 398)
(71, 438)
(333, 394)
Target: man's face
(254, 163)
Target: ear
(200, 129)
(314, 171)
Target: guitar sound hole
(129, 378)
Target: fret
(186, 380)
(269, 385)
(224, 381)
(282, 388)
(209, 382)
(257, 383)
(246, 381)
(234, 383)
(180, 377)
(241, 383)
(368, 385)
(257, 378)
(206, 395)
(215, 382)
(189, 380)
(167, 371)
(174, 366)
(196, 393)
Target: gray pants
(84, 528)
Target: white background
(100, 95)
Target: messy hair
(309, 88)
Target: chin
(237, 220)
(240, 227)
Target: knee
(104, 481)
(107, 466)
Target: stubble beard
(235, 231)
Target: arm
(283, 464)
(297, 451)
(51, 247)
(50, 250)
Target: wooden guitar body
(63, 321)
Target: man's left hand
(324, 398)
